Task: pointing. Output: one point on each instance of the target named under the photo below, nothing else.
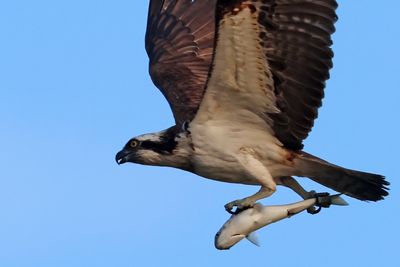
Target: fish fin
(338, 200)
(253, 238)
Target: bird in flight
(244, 80)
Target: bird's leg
(248, 202)
(291, 183)
(259, 172)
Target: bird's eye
(134, 143)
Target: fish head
(225, 241)
(236, 228)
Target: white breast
(216, 144)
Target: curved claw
(229, 208)
(233, 212)
(314, 211)
(322, 201)
(240, 205)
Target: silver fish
(243, 224)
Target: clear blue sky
(74, 88)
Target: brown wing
(296, 36)
(179, 42)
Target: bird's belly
(224, 169)
(216, 151)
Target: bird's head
(170, 147)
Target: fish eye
(134, 143)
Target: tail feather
(360, 185)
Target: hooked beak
(122, 157)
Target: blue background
(74, 88)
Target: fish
(245, 223)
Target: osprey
(244, 79)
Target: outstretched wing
(179, 42)
(292, 52)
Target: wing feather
(179, 42)
(296, 39)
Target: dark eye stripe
(164, 147)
